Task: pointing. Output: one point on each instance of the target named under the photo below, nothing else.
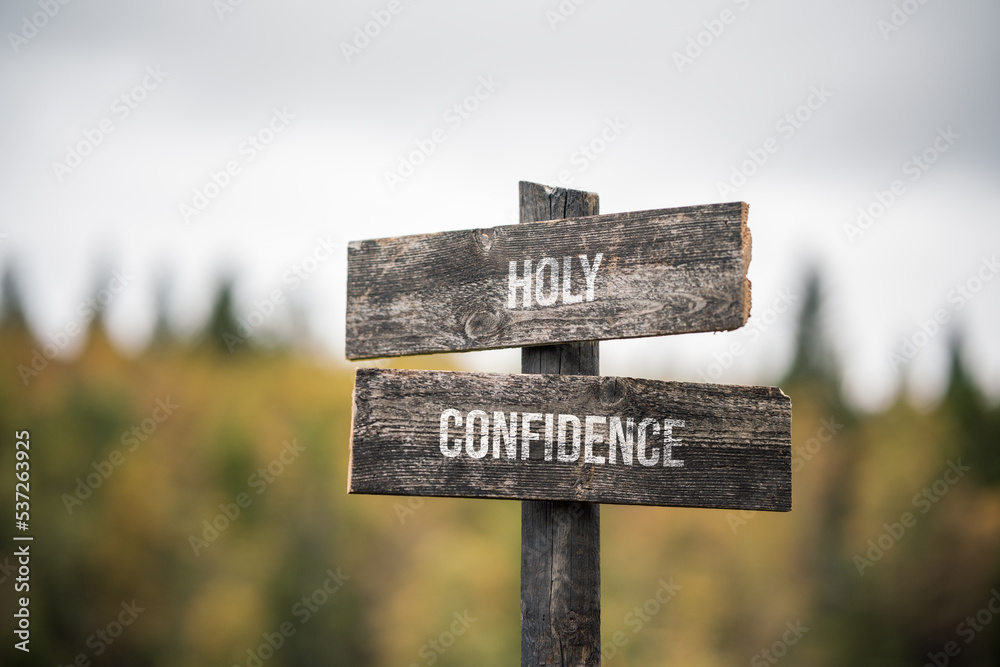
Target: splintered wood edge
(350, 440)
(549, 189)
(746, 247)
(791, 415)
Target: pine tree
(222, 330)
(814, 365)
(12, 316)
(813, 358)
(976, 426)
(163, 335)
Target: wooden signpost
(570, 437)
(598, 277)
(552, 437)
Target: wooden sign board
(570, 437)
(624, 275)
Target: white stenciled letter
(449, 451)
(652, 458)
(509, 435)
(549, 417)
(620, 438)
(568, 296)
(669, 442)
(470, 432)
(574, 454)
(526, 435)
(513, 282)
(590, 272)
(590, 439)
(541, 297)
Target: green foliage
(975, 425)
(11, 305)
(222, 329)
(813, 359)
(226, 519)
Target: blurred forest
(140, 463)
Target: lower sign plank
(570, 437)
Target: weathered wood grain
(662, 272)
(560, 584)
(560, 540)
(735, 442)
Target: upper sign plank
(570, 437)
(623, 275)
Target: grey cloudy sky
(671, 98)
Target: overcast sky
(118, 117)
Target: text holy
(550, 280)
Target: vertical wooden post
(560, 541)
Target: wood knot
(572, 623)
(613, 391)
(484, 323)
(690, 303)
(485, 238)
(584, 477)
